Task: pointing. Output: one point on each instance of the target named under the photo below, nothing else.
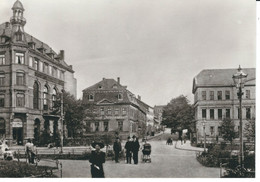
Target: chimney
(118, 80)
(103, 79)
(62, 55)
(139, 97)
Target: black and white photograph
(128, 88)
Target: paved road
(167, 162)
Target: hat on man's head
(100, 143)
(128, 137)
(134, 136)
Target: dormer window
(32, 45)
(91, 97)
(114, 86)
(19, 36)
(120, 96)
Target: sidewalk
(187, 146)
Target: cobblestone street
(167, 162)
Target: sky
(155, 47)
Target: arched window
(2, 78)
(54, 97)
(20, 101)
(20, 78)
(2, 128)
(36, 96)
(45, 98)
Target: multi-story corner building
(151, 126)
(112, 107)
(31, 76)
(215, 98)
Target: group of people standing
(97, 157)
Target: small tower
(18, 21)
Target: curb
(193, 150)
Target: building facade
(111, 107)
(158, 111)
(215, 98)
(31, 77)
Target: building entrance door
(18, 135)
(18, 131)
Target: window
(20, 102)
(219, 95)
(91, 97)
(247, 94)
(45, 98)
(248, 113)
(219, 113)
(227, 94)
(54, 97)
(50, 69)
(212, 130)
(31, 61)
(54, 72)
(19, 58)
(219, 131)
(45, 68)
(36, 65)
(211, 113)
(36, 96)
(116, 111)
(204, 95)
(124, 111)
(58, 73)
(20, 78)
(211, 95)
(105, 125)
(204, 113)
(227, 113)
(2, 78)
(2, 59)
(114, 86)
(96, 126)
(120, 96)
(62, 75)
(109, 112)
(120, 125)
(99, 87)
(40, 66)
(2, 100)
(102, 111)
(19, 36)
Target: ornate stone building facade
(215, 98)
(110, 107)
(31, 76)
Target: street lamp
(204, 134)
(239, 80)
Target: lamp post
(239, 80)
(204, 134)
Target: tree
(73, 112)
(249, 130)
(228, 130)
(179, 114)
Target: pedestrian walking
(29, 150)
(97, 158)
(135, 149)
(128, 148)
(117, 149)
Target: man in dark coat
(117, 149)
(128, 148)
(97, 158)
(135, 149)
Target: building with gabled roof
(31, 76)
(111, 107)
(215, 98)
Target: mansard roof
(220, 77)
(7, 29)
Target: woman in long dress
(97, 158)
